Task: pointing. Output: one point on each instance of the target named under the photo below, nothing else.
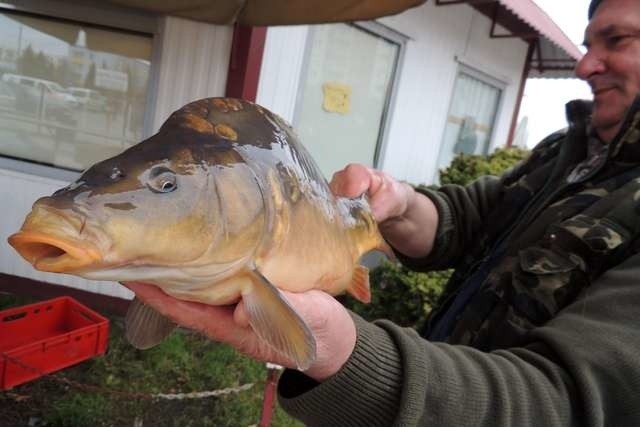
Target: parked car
(7, 97)
(52, 92)
(42, 98)
(89, 98)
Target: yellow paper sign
(337, 97)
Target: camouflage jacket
(526, 244)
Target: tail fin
(359, 287)
(362, 226)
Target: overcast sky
(544, 99)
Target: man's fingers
(240, 315)
(352, 181)
(217, 322)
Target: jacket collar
(625, 145)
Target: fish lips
(51, 253)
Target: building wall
(190, 62)
(281, 68)
(194, 60)
(440, 37)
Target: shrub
(465, 168)
(401, 295)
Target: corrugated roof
(552, 61)
(532, 14)
(555, 55)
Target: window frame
(109, 18)
(377, 29)
(483, 77)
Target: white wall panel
(193, 64)
(281, 68)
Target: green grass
(105, 390)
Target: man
(540, 324)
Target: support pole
(523, 82)
(269, 394)
(245, 62)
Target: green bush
(405, 296)
(465, 168)
(401, 295)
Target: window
(471, 117)
(70, 94)
(346, 88)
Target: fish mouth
(51, 253)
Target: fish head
(161, 205)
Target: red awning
(549, 59)
(531, 13)
(554, 56)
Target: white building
(402, 93)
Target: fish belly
(299, 271)
(227, 291)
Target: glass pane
(70, 95)
(346, 87)
(471, 118)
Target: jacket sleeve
(581, 369)
(464, 211)
(462, 215)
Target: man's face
(611, 65)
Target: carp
(222, 203)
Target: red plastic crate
(41, 338)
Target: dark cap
(592, 7)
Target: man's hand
(328, 320)
(408, 220)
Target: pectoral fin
(145, 327)
(359, 287)
(277, 323)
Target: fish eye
(162, 180)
